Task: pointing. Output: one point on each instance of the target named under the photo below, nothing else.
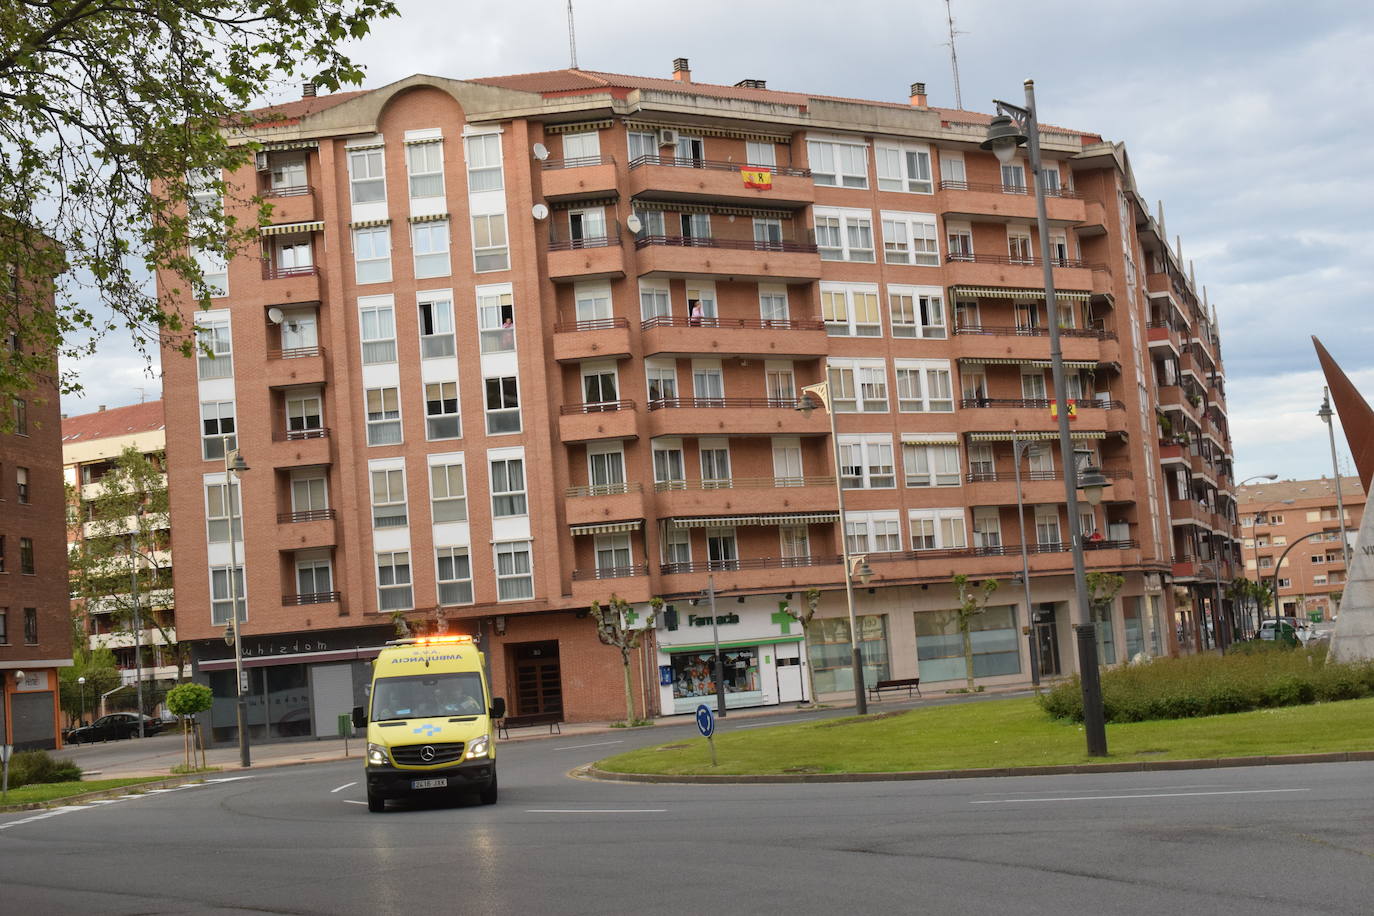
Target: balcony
(1039, 487)
(298, 204)
(742, 259)
(745, 496)
(599, 420)
(579, 178)
(1172, 397)
(1010, 413)
(591, 505)
(1024, 273)
(992, 342)
(671, 178)
(772, 337)
(1164, 336)
(299, 447)
(296, 366)
(982, 562)
(289, 285)
(1189, 512)
(598, 338)
(730, 417)
(751, 574)
(977, 201)
(303, 530)
(593, 258)
(1172, 452)
(310, 598)
(628, 582)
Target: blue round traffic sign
(706, 722)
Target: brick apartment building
(35, 631)
(515, 344)
(1274, 516)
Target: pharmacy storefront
(761, 649)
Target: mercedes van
(430, 721)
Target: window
(844, 235)
(288, 174)
(1285, 583)
(372, 254)
(1033, 385)
(662, 380)
(930, 464)
(794, 543)
(654, 302)
(26, 556)
(1266, 562)
(715, 463)
(21, 485)
(429, 240)
(508, 488)
(924, 386)
(300, 334)
(1019, 247)
(389, 498)
(582, 148)
(484, 163)
(691, 148)
(641, 144)
(722, 552)
(940, 645)
(669, 473)
(858, 386)
(768, 234)
(910, 238)
(4, 626)
(708, 383)
(441, 411)
(1014, 179)
(613, 556)
(599, 384)
(222, 502)
(916, 312)
(223, 596)
(851, 310)
(496, 321)
(383, 416)
(503, 405)
(514, 571)
(677, 546)
(773, 305)
(378, 327)
(304, 417)
(454, 575)
(652, 223)
(903, 168)
(1047, 526)
(832, 653)
(606, 471)
(436, 329)
(425, 162)
(952, 173)
(937, 529)
(214, 351)
(866, 463)
(695, 225)
(872, 532)
(309, 494)
(842, 165)
(958, 241)
(314, 581)
(447, 494)
(489, 251)
(587, 227)
(1050, 179)
(216, 421)
(294, 258)
(1319, 579)
(367, 175)
(987, 527)
(760, 153)
(981, 462)
(781, 384)
(393, 581)
(1318, 558)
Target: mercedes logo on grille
(427, 752)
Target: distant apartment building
(512, 345)
(1299, 518)
(90, 445)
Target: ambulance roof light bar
(430, 640)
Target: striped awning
(291, 228)
(608, 528)
(429, 218)
(369, 223)
(930, 439)
(577, 127)
(1013, 361)
(290, 144)
(416, 141)
(1035, 436)
(678, 206)
(582, 204)
(730, 521)
(1009, 292)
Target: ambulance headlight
(478, 748)
(376, 755)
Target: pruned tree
(186, 701)
(618, 625)
(972, 602)
(97, 666)
(803, 616)
(110, 111)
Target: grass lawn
(1003, 733)
(51, 791)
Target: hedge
(29, 767)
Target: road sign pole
(715, 638)
(706, 724)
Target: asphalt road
(1261, 840)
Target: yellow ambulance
(430, 721)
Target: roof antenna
(953, 55)
(572, 37)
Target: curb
(1143, 766)
(107, 793)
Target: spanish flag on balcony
(757, 178)
(1073, 409)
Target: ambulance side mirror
(498, 708)
(359, 717)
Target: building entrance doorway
(1047, 639)
(538, 681)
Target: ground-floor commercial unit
(30, 709)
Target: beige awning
(290, 145)
(1010, 292)
(1038, 363)
(292, 228)
(1035, 435)
(429, 218)
(930, 438)
(730, 521)
(369, 223)
(608, 528)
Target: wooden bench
(906, 683)
(551, 719)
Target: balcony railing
(596, 407)
(689, 241)
(997, 188)
(753, 324)
(1045, 403)
(1027, 261)
(719, 165)
(611, 572)
(744, 483)
(610, 240)
(701, 566)
(1005, 331)
(603, 489)
(295, 353)
(297, 435)
(993, 476)
(1001, 550)
(310, 515)
(311, 598)
(272, 271)
(668, 403)
(590, 324)
(577, 162)
(299, 190)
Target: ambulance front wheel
(488, 794)
(375, 802)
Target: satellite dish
(634, 223)
(274, 315)
(541, 152)
(539, 211)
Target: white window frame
(401, 584)
(873, 532)
(858, 385)
(222, 503)
(366, 169)
(580, 147)
(931, 464)
(385, 418)
(904, 177)
(656, 373)
(374, 268)
(219, 594)
(762, 153)
(504, 580)
(934, 376)
(428, 172)
(431, 257)
(377, 330)
(484, 161)
(212, 444)
(493, 414)
(838, 163)
(389, 505)
(948, 527)
(509, 485)
(910, 310)
(875, 468)
(770, 295)
(444, 504)
(495, 306)
(435, 311)
(460, 584)
(836, 242)
(436, 423)
(911, 239)
(214, 349)
(488, 254)
(840, 307)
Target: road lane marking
(573, 747)
(349, 801)
(1068, 798)
(228, 778)
(342, 787)
(595, 810)
(91, 805)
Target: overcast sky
(1250, 119)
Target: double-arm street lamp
(234, 466)
(1014, 126)
(1255, 538)
(1325, 413)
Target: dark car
(113, 727)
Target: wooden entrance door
(538, 681)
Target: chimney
(307, 90)
(100, 409)
(682, 72)
(752, 84)
(918, 95)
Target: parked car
(113, 727)
(1293, 632)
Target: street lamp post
(821, 392)
(1255, 538)
(234, 466)
(719, 667)
(138, 621)
(81, 682)
(1018, 448)
(1016, 125)
(1326, 414)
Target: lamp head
(229, 635)
(859, 567)
(1092, 482)
(1003, 138)
(1270, 476)
(81, 681)
(805, 404)
(19, 677)
(236, 463)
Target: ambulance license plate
(429, 783)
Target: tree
(618, 625)
(803, 617)
(109, 110)
(186, 701)
(109, 553)
(972, 602)
(1102, 591)
(99, 669)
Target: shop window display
(831, 660)
(940, 647)
(694, 676)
